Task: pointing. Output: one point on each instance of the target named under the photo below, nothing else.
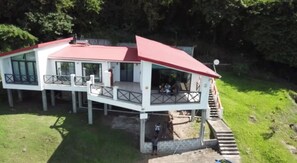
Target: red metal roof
(96, 52)
(152, 51)
(35, 46)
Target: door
(126, 72)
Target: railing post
(88, 87)
(115, 92)
(53, 79)
(92, 79)
(72, 76)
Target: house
(128, 77)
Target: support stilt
(44, 100)
(105, 109)
(53, 100)
(193, 112)
(20, 95)
(10, 98)
(202, 126)
(73, 102)
(79, 100)
(143, 117)
(90, 112)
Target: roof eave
(179, 67)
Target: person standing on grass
(157, 129)
(155, 145)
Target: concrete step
(225, 138)
(225, 134)
(226, 142)
(213, 115)
(227, 145)
(230, 152)
(228, 149)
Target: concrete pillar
(143, 117)
(202, 126)
(79, 100)
(73, 102)
(115, 92)
(53, 100)
(90, 112)
(20, 95)
(10, 98)
(193, 112)
(105, 109)
(146, 78)
(44, 100)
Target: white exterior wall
(116, 71)
(136, 73)
(6, 68)
(78, 68)
(205, 85)
(42, 61)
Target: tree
(12, 37)
(49, 26)
(272, 30)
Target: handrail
(57, 79)
(216, 97)
(107, 91)
(130, 96)
(181, 97)
(101, 90)
(81, 80)
(21, 79)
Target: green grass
(30, 135)
(272, 109)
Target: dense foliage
(259, 28)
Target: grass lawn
(28, 134)
(259, 113)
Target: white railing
(216, 98)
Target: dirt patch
(252, 118)
(293, 95)
(130, 124)
(174, 125)
(291, 148)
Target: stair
(227, 143)
(213, 107)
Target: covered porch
(131, 92)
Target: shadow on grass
(267, 135)
(80, 142)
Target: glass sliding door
(126, 72)
(65, 68)
(92, 69)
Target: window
(24, 68)
(92, 69)
(65, 68)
